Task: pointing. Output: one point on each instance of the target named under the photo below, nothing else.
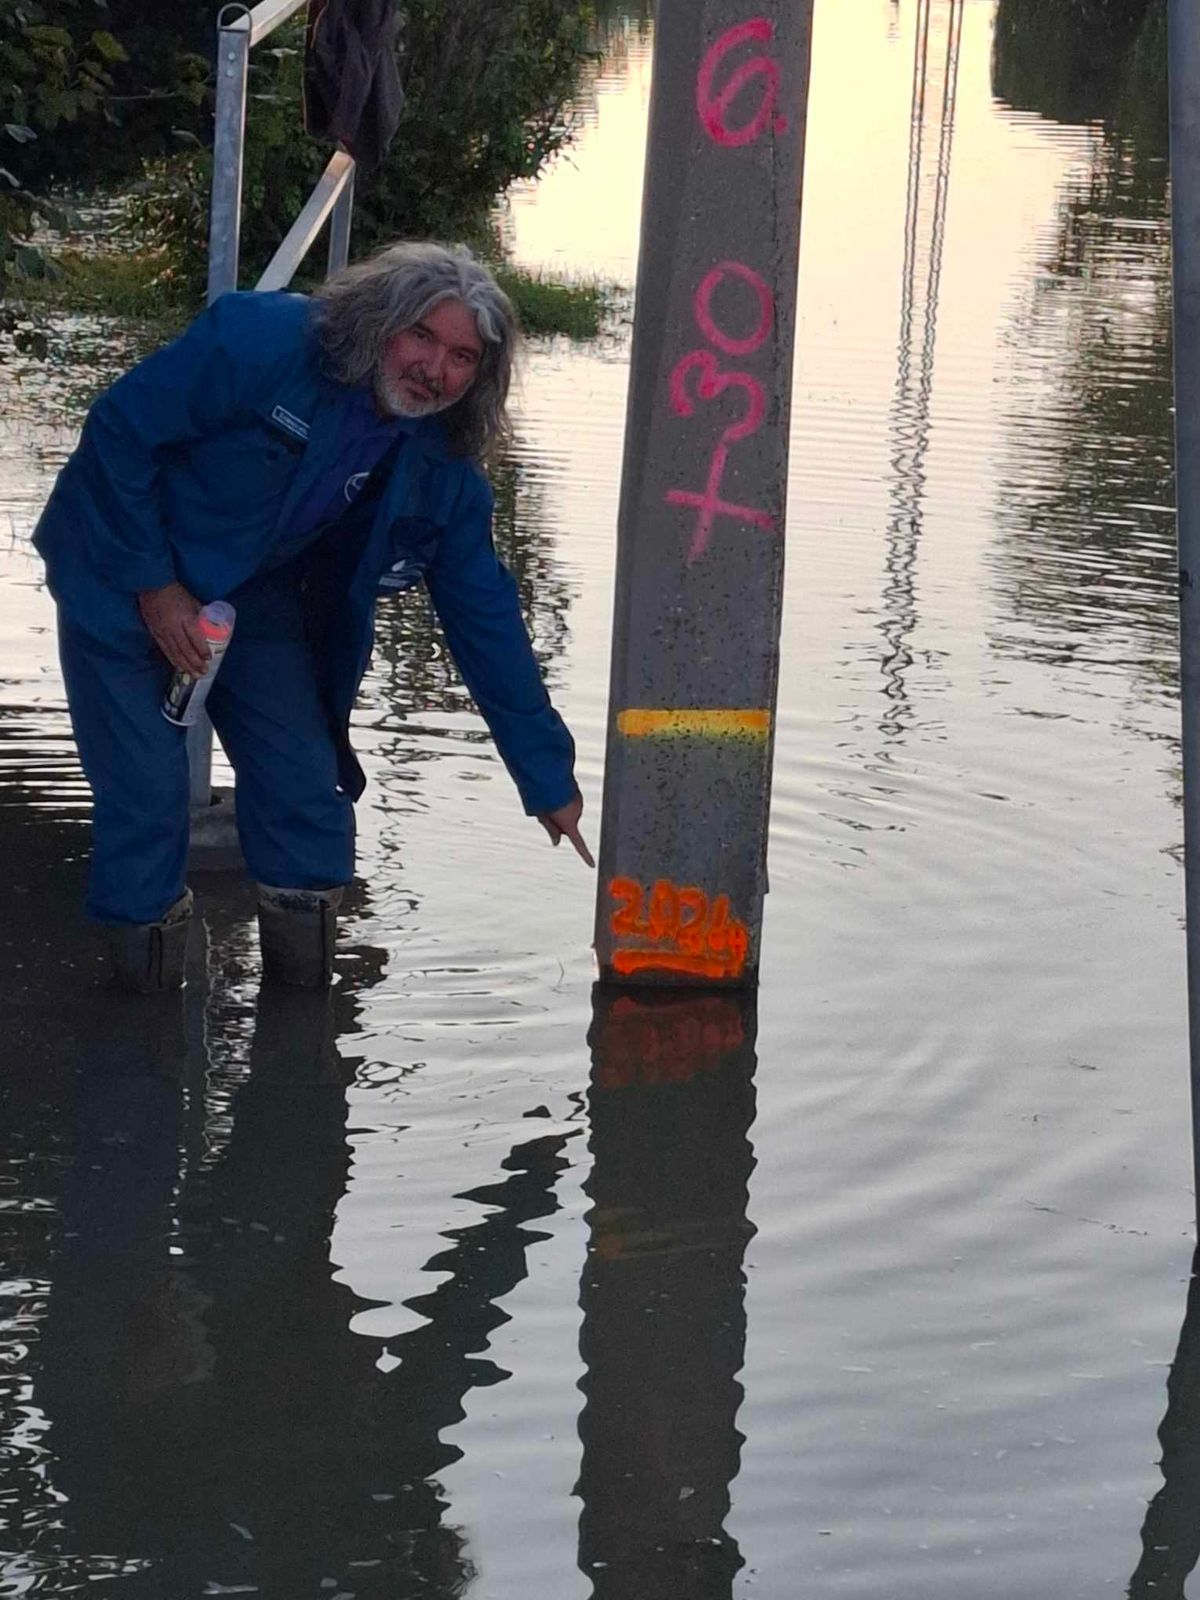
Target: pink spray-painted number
(707, 323)
(713, 108)
(712, 382)
(716, 108)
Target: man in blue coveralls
(296, 457)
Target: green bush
(578, 309)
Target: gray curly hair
(360, 308)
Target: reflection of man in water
(213, 1417)
(295, 457)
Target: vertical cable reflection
(929, 149)
(662, 1293)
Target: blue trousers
(296, 826)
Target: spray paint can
(186, 695)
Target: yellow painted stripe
(704, 724)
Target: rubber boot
(297, 929)
(150, 957)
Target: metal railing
(239, 29)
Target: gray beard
(391, 399)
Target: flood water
(471, 1283)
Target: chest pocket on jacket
(282, 437)
(242, 473)
(245, 464)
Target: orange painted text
(678, 929)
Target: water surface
(472, 1284)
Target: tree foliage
(71, 89)
(49, 75)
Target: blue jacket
(189, 469)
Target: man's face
(432, 364)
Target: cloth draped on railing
(352, 88)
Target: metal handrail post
(199, 754)
(339, 227)
(1184, 75)
(224, 234)
(229, 137)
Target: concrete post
(700, 537)
(1184, 45)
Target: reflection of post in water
(213, 1418)
(664, 1323)
(1171, 1531)
(924, 231)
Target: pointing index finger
(580, 845)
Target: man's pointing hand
(170, 614)
(565, 821)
